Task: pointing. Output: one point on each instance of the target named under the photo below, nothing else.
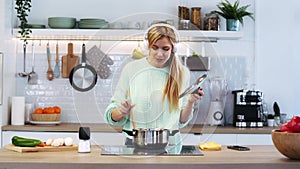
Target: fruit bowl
(287, 143)
(45, 117)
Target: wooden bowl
(45, 117)
(287, 143)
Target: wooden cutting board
(40, 149)
(69, 61)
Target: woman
(149, 88)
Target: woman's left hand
(196, 96)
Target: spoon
(50, 73)
(24, 74)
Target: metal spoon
(24, 74)
(50, 73)
(32, 77)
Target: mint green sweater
(145, 84)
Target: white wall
(276, 40)
(232, 51)
(278, 52)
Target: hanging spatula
(50, 73)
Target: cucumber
(25, 142)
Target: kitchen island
(103, 127)
(266, 157)
(104, 134)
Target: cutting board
(40, 149)
(69, 61)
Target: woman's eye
(154, 47)
(166, 48)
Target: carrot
(43, 144)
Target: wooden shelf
(125, 35)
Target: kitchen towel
(17, 110)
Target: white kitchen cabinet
(101, 138)
(228, 139)
(112, 138)
(97, 138)
(7, 135)
(223, 139)
(254, 139)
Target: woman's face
(160, 52)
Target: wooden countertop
(197, 129)
(266, 157)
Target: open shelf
(125, 35)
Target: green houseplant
(23, 8)
(233, 14)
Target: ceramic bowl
(62, 22)
(287, 143)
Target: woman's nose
(160, 52)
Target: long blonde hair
(175, 79)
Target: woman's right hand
(126, 107)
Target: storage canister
(196, 17)
(211, 22)
(183, 13)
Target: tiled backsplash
(88, 107)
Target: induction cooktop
(184, 150)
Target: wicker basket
(45, 117)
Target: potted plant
(23, 8)
(233, 14)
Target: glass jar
(196, 17)
(183, 13)
(211, 22)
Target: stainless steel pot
(150, 138)
(145, 138)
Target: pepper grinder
(84, 145)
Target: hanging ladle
(24, 74)
(32, 76)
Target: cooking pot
(147, 138)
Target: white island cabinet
(114, 138)
(97, 138)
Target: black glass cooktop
(184, 150)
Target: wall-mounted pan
(83, 77)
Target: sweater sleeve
(186, 84)
(118, 97)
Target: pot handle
(130, 133)
(172, 133)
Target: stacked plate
(92, 23)
(62, 22)
(36, 26)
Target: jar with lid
(183, 13)
(196, 17)
(211, 22)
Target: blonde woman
(149, 88)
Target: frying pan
(83, 77)
(193, 88)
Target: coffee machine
(248, 108)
